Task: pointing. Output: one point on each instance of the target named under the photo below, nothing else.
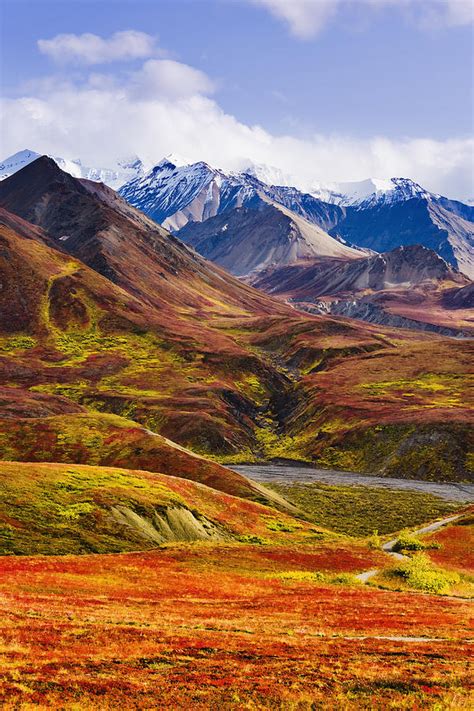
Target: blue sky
(325, 89)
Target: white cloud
(304, 17)
(165, 77)
(436, 14)
(101, 120)
(91, 49)
(307, 18)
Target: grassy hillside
(130, 322)
(225, 627)
(58, 508)
(361, 510)
(108, 440)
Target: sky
(326, 90)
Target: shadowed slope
(91, 222)
(246, 240)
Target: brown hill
(195, 355)
(408, 287)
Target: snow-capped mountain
(268, 174)
(124, 170)
(373, 191)
(174, 193)
(378, 215)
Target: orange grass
(456, 545)
(218, 627)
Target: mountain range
(125, 169)
(278, 238)
(409, 287)
(374, 214)
(399, 214)
(120, 345)
(245, 240)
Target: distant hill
(409, 287)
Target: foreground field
(231, 626)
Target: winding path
(303, 473)
(389, 545)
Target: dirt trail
(301, 473)
(389, 545)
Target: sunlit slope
(75, 508)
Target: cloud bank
(91, 49)
(166, 106)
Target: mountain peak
(174, 159)
(124, 170)
(371, 192)
(42, 169)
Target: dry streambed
(294, 473)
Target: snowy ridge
(268, 174)
(371, 192)
(124, 171)
(175, 193)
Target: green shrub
(6, 539)
(408, 542)
(18, 342)
(275, 525)
(250, 538)
(345, 579)
(420, 573)
(374, 541)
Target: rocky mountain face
(442, 225)
(245, 240)
(406, 288)
(461, 298)
(174, 194)
(115, 338)
(378, 215)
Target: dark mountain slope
(403, 288)
(383, 227)
(245, 240)
(462, 298)
(92, 223)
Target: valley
(198, 481)
(236, 355)
(294, 472)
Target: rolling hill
(123, 319)
(65, 509)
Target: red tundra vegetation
(205, 626)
